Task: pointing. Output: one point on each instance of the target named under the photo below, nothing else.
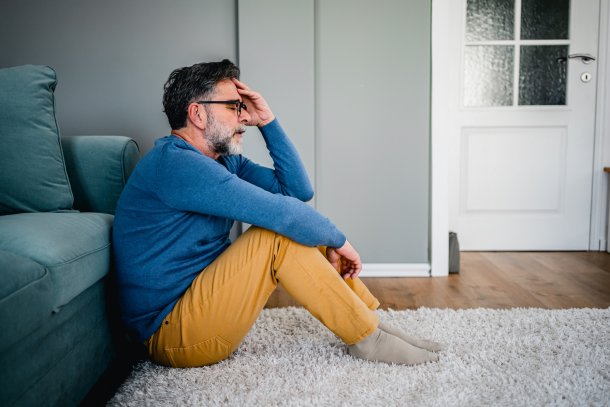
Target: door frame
(440, 130)
(601, 154)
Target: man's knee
(260, 232)
(266, 234)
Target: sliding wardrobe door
(276, 57)
(373, 109)
(350, 82)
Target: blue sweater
(176, 211)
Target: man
(188, 293)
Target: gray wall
(276, 55)
(112, 57)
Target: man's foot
(384, 347)
(420, 343)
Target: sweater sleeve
(288, 177)
(191, 182)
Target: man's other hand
(258, 109)
(345, 259)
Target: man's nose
(244, 117)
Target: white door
(521, 148)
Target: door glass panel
(488, 79)
(545, 19)
(490, 20)
(542, 75)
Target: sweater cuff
(271, 128)
(341, 239)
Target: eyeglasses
(238, 104)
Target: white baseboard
(395, 270)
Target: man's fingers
(240, 84)
(352, 270)
(351, 275)
(247, 92)
(244, 90)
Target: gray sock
(420, 343)
(384, 347)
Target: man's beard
(221, 138)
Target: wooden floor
(498, 280)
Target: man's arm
(289, 171)
(192, 182)
(288, 176)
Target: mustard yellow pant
(216, 312)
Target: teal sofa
(57, 198)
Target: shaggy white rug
(516, 357)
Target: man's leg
(369, 299)
(216, 312)
(358, 288)
(213, 316)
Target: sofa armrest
(98, 168)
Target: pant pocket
(204, 353)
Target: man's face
(224, 129)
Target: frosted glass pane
(488, 75)
(545, 19)
(490, 20)
(542, 75)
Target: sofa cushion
(98, 167)
(25, 297)
(32, 171)
(74, 247)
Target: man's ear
(197, 115)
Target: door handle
(585, 58)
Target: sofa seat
(73, 247)
(25, 297)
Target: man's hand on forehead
(259, 110)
